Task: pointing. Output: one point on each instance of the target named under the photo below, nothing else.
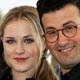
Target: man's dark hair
(46, 6)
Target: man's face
(66, 50)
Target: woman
(24, 44)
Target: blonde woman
(24, 44)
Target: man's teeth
(65, 50)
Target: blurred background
(5, 5)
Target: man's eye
(52, 33)
(70, 28)
(29, 41)
(10, 41)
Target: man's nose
(62, 39)
(19, 48)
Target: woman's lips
(20, 59)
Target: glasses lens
(51, 35)
(70, 31)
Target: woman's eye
(10, 41)
(29, 40)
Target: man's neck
(64, 71)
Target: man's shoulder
(74, 74)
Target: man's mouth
(64, 50)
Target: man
(60, 20)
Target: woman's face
(20, 48)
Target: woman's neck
(22, 75)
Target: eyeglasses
(69, 31)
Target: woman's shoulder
(6, 74)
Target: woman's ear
(1, 38)
(1, 46)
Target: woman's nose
(19, 49)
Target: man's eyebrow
(49, 27)
(68, 23)
(52, 27)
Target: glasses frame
(62, 30)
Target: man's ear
(44, 44)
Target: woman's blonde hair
(30, 14)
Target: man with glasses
(60, 20)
